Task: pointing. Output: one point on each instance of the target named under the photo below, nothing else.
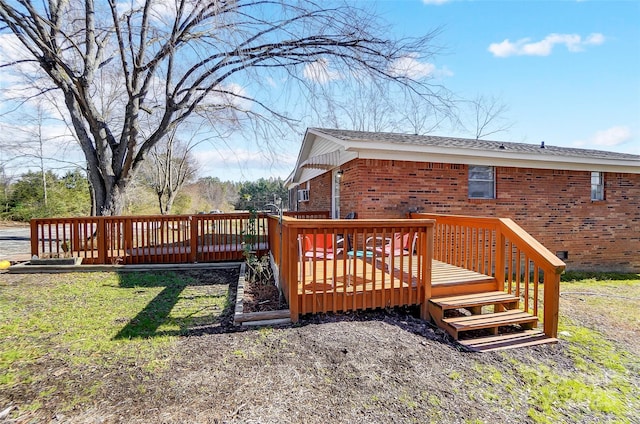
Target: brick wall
(319, 194)
(553, 206)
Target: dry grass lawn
(159, 347)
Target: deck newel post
(292, 272)
(426, 246)
(75, 237)
(193, 242)
(500, 253)
(33, 223)
(551, 302)
(128, 237)
(101, 237)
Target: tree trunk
(110, 202)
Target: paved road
(14, 243)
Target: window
(335, 194)
(597, 186)
(482, 183)
(303, 195)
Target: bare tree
(169, 167)
(489, 114)
(368, 108)
(37, 140)
(217, 194)
(420, 116)
(5, 190)
(166, 62)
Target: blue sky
(568, 71)
(573, 78)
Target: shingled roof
(324, 149)
(471, 144)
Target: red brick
(552, 205)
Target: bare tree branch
(489, 115)
(159, 65)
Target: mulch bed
(262, 296)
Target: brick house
(584, 205)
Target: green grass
(81, 327)
(597, 380)
(603, 382)
(97, 321)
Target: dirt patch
(378, 366)
(262, 296)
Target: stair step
(508, 341)
(495, 320)
(474, 300)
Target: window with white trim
(597, 186)
(482, 182)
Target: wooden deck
(341, 277)
(450, 256)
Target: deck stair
(491, 311)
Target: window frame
(597, 188)
(481, 180)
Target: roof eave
(493, 158)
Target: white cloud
(319, 72)
(14, 52)
(544, 47)
(271, 82)
(238, 163)
(443, 72)
(410, 67)
(231, 94)
(610, 137)
(595, 39)
(613, 136)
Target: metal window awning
(324, 161)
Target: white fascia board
(328, 137)
(492, 158)
(305, 148)
(311, 136)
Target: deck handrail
(500, 248)
(308, 214)
(150, 238)
(333, 278)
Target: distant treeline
(34, 195)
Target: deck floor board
(363, 275)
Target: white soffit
(322, 154)
(490, 158)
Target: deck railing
(500, 248)
(151, 239)
(308, 214)
(326, 265)
(372, 263)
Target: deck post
(551, 302)
(500, 254)
(292, 271)
(426, 246)
(34, 237)
(128, 237)
(101, 237)
(193, 242)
